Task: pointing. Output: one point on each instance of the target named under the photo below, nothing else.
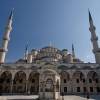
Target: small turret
(26, 52)
(29, 58)
(73, 51)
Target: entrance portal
(49, 85)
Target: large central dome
(49, 53)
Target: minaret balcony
(92, 28)
(95, 51)
(3, 50)
(94, 39)
(9, 28)
(6, 38)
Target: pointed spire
(11, 14)
(72, 47)
(26, 51)
(26, 47)
(73, 52)
(50, 44)
(90, 17)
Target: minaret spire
(90, 17)
(26, 52)
(6, 38)
(94, 39)
(73, 51)
(50, 43)
(11, 14)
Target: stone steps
(82, 97)
(19, 97)
(34, 97)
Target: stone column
(12, 83)
(26, 86)
(27, 83)
(12, 86)
(71, 83)
(54, 90)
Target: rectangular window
(65, 81)
(77, 80)
(90, 80)
(65, 89)
(78, 89)
(0, 88)
(84, 89)
(83, 80)
(91, 89)
(33, 80)
(96, 80)
(98, 89)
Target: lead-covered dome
(49, 53)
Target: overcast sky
(39, 22)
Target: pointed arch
(19, 82)
(92, 74)
(65, 75)
(78, 74)
(5, 82)
(49, 87)
(93, 82)
(33, 83)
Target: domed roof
(49, 48)
(33, 50)
(46, 47)
(64, 50)
(49, 53)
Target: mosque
(49, 72)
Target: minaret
(50, 44)
(26, 52)
(94, 40)
(73, 52)
(6, 38)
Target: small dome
(64, 50)
(33, 50)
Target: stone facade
(49, 72)
(62, 78)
